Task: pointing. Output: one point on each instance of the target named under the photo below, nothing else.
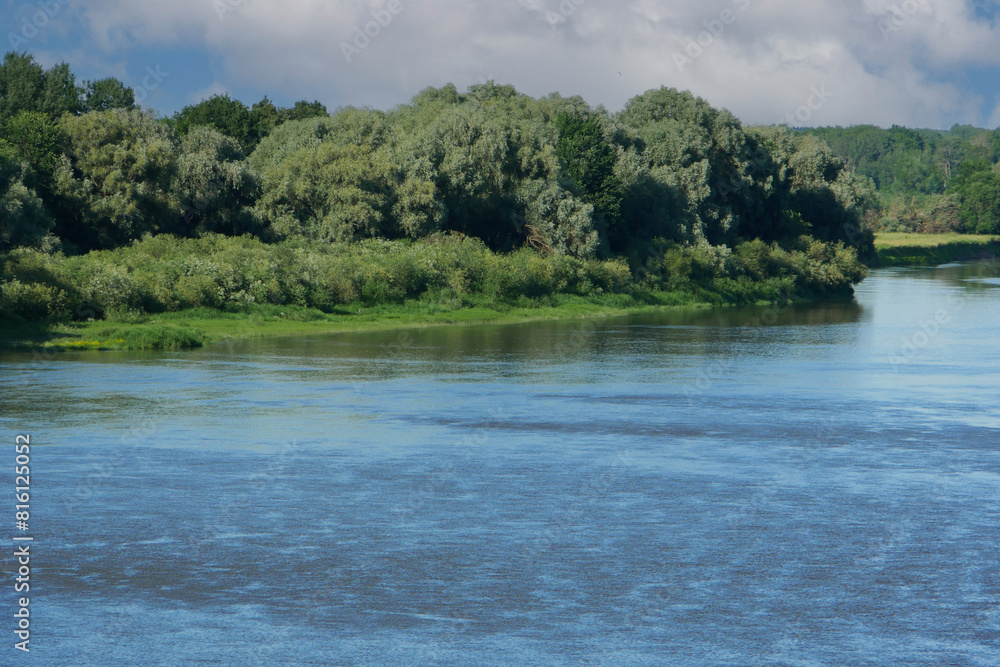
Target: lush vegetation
(928, 180)
(463, 199)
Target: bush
(165, 273)
(33, 301)
(154, 337)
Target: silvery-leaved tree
(116, 176)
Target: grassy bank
(197, 327)
(907, 249)
(169, 293)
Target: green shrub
(33, 301)
(153, 337)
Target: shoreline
(912, 249)
(190, 329)
(194, 329)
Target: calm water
(803, 486)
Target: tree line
(679, 193)
(83, 168)
(928, 180)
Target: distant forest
(928, 180)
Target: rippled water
(797, 486)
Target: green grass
(908, 249)
(195, 328)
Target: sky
(918, 63)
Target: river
(809, 485)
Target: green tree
(590, 162)
(60, 94)
(688, 161)
(115, 182)
(978, 187)
(264, 117)
(214, 184)
(109, 93)
(23, 218)
(228, 116)
(22, 81)
(303, 110)
(37, 139)
(26, 86)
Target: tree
(264, 117)
(303, 110)
(60, 94)
(109, 93)
(691, 159)
(590, 163)
(22, 81)
(214, 185)
(26, 86)
(23, 218)
(37, 139)
(115, 180)
(228, 116)
(978, 187)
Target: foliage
(165, 273)
(23, 219)
(107, 94)
(38, 140)
(214, 184)
(980, 193)
(224, 114)
(26, 86)
(116, 178)
(809, 267)
(589, 160)
(919, 172)
(247, 125)
(486, 193)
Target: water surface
(811, 485)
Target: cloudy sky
(921, 63)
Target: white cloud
(993, 122)
(886, 61)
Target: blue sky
(924, 63)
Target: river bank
(169, 293)
(197, 327)
(902, 249)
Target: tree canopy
(84, 166)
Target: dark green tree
(228, 116)
(214, 184)
(115, 181)
(590, 163)
(26, 86)
(978, 187)
(23, 218)
(303, 110)
(264, 117)
(22, 81)
(109, 93)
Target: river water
(812, 485)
